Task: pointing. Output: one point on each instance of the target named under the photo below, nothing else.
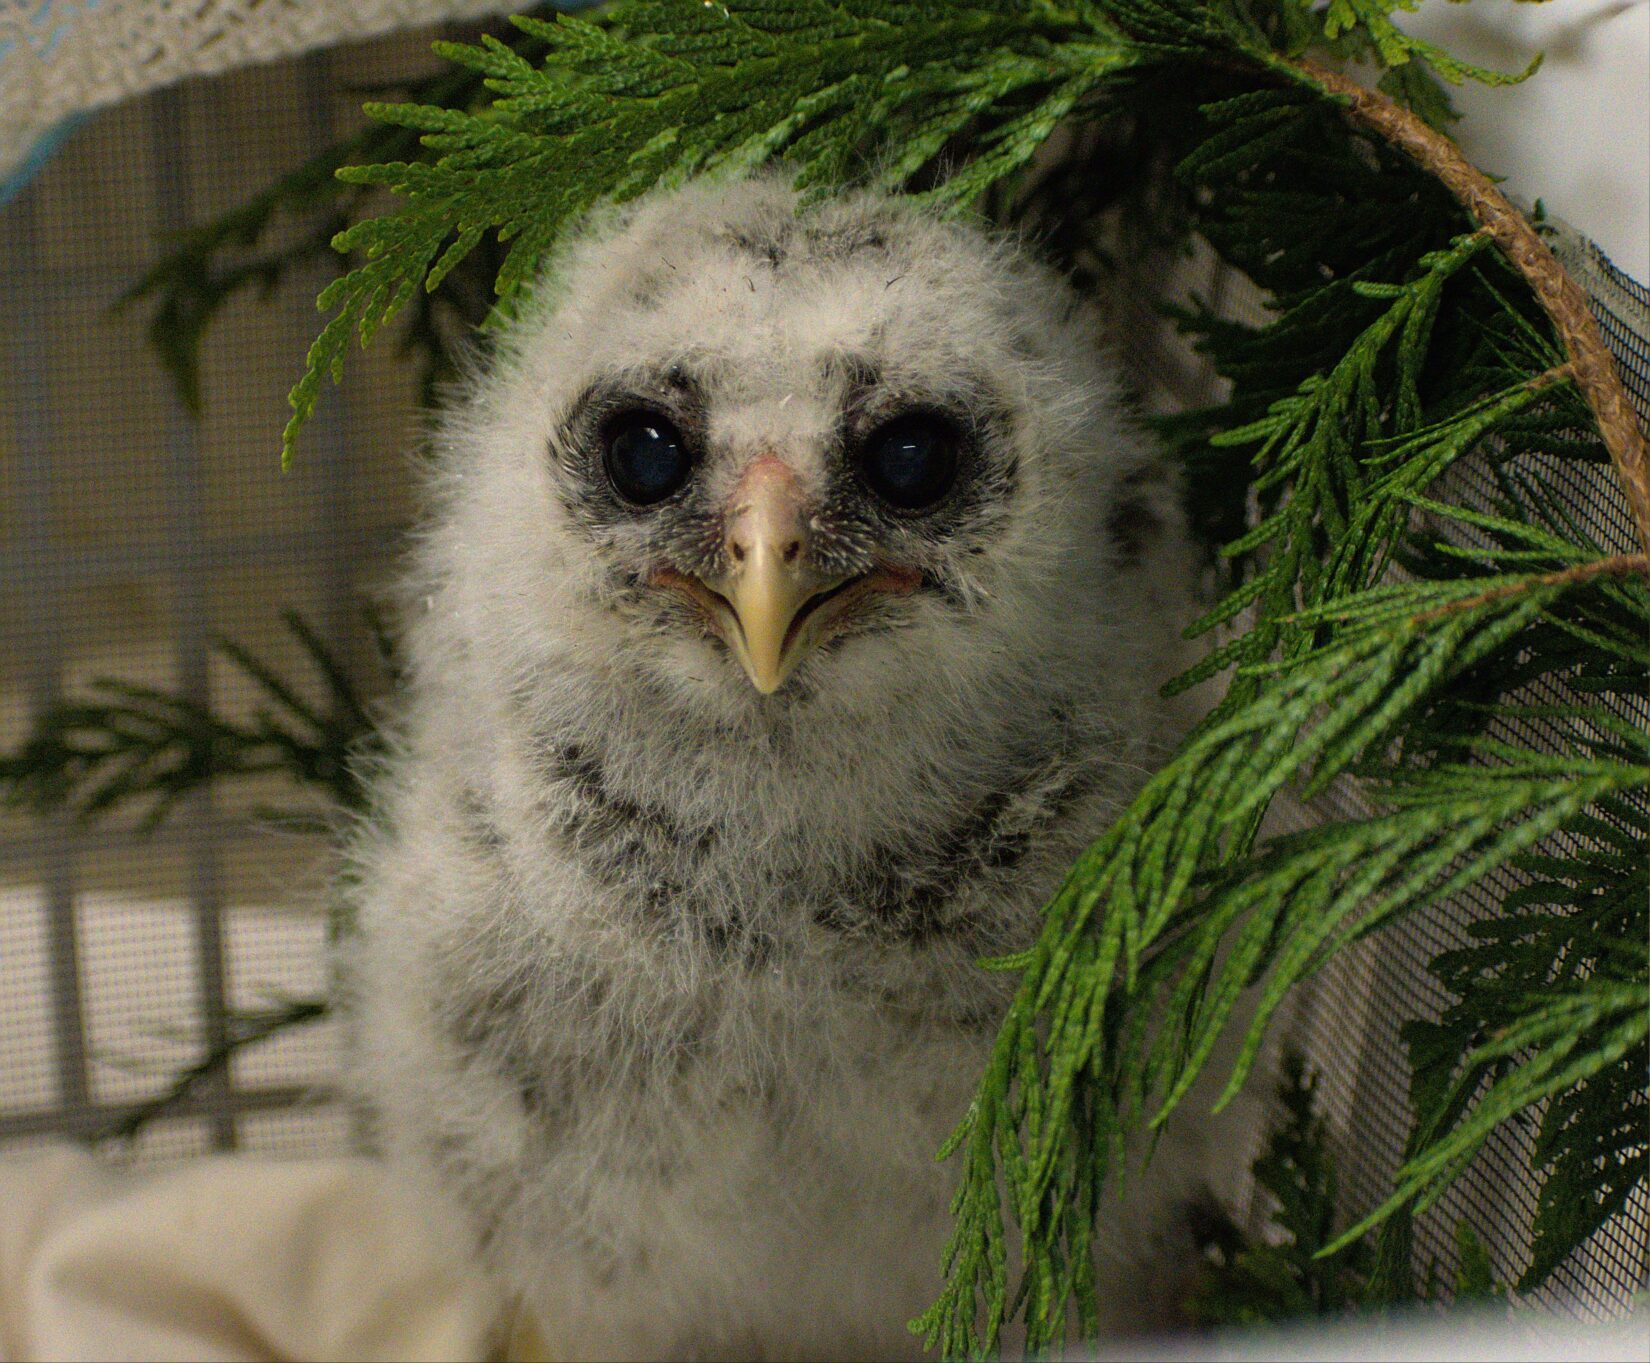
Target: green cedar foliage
(1465, 673)
(877, 90)
(245, 1028)
(124, 745)
(1283, 1276)
(245, 250)
(1300, 1267)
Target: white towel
(228, 1257)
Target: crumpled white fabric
(231, 1257)
(62, 58)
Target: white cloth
(228, 1257)
(62, 58)
(1469, 1335)
(1576, 135)
(242, 1258)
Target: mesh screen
(1349, 1017)
(131, 534)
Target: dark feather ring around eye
(644, 455)
(912, 462)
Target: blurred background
(137, 537)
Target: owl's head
(756, 456)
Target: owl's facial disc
(771, 605)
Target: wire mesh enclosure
(1350, 1024)
(143, 542)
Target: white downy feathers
(667, 984)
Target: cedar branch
(1617, 565)
(1561, 297)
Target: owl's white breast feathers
(670, 984)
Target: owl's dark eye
(911, 463)
(645, 456)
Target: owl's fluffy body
(667, 985)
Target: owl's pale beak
(772, 592)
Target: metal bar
(108, 838)
(328, 431)
(186, 516)
(343, 546)
(44, 644)
(86, 1122)
(88, 563)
